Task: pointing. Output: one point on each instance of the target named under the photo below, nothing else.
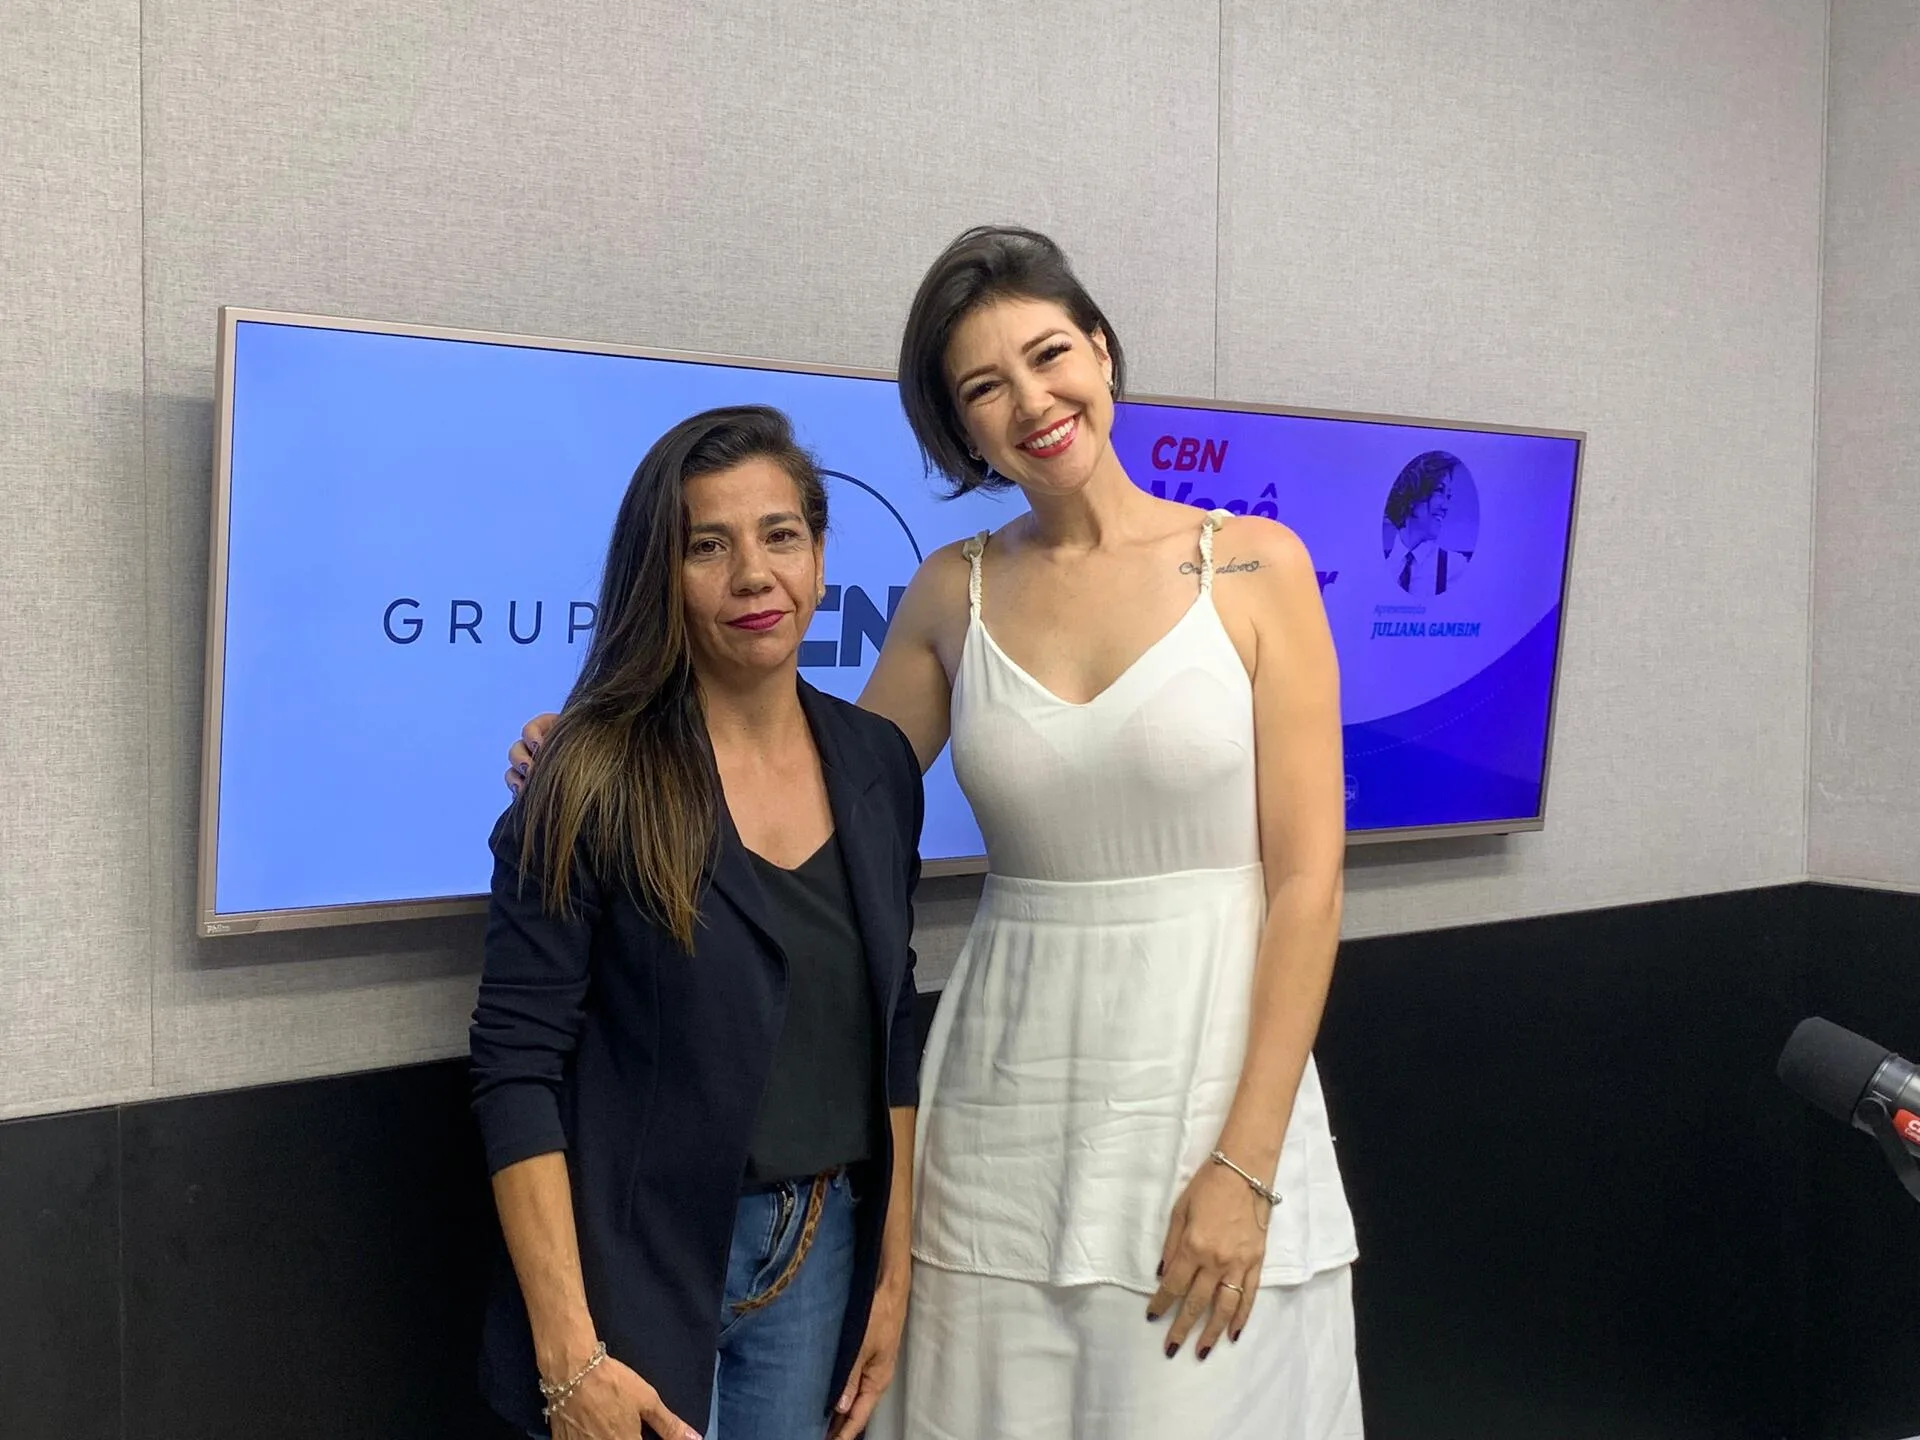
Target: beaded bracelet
(1264, 1191)
(558, 1395)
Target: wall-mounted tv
(409, 524)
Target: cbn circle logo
(871, 554)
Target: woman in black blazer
(693, 1053)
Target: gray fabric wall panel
(739, 178)
(1602, 218)
(73, 706)
(1864, 813)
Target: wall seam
(1819, 406)
(1803, 1393)
(1219, 152)
(154, 878)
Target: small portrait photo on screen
(1431, 525)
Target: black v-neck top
(819, 1109)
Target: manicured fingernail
(1235, 1337)
(1172, 1350)
(1205, 1350)
(1160, 1270)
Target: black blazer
(598, 1035)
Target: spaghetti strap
(973, 550)
(1215, 519)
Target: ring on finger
(1229, 1285)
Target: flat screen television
(408, 525)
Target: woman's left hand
(1210, 1265)
(873, 1369)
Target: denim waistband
(798, 1182)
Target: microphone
(1860, 1084)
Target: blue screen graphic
(416, 526)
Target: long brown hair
(626, 783)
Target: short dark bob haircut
(987, 263)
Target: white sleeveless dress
(1081, 1067)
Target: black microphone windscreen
(1830, 1067)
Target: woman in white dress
(1130, 1220)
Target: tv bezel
(213, 923)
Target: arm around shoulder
(909, 684)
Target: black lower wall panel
(1862, 1316)
(304, 1261)
(1573, 1172)
(60, 1277)
(1587, 1209)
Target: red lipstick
(1070, 428)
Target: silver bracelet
(1265, 1192)
(559, 1394)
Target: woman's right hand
(520, 755)
(611, 1404)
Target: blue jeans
(775, 1368)
(773, 1376)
